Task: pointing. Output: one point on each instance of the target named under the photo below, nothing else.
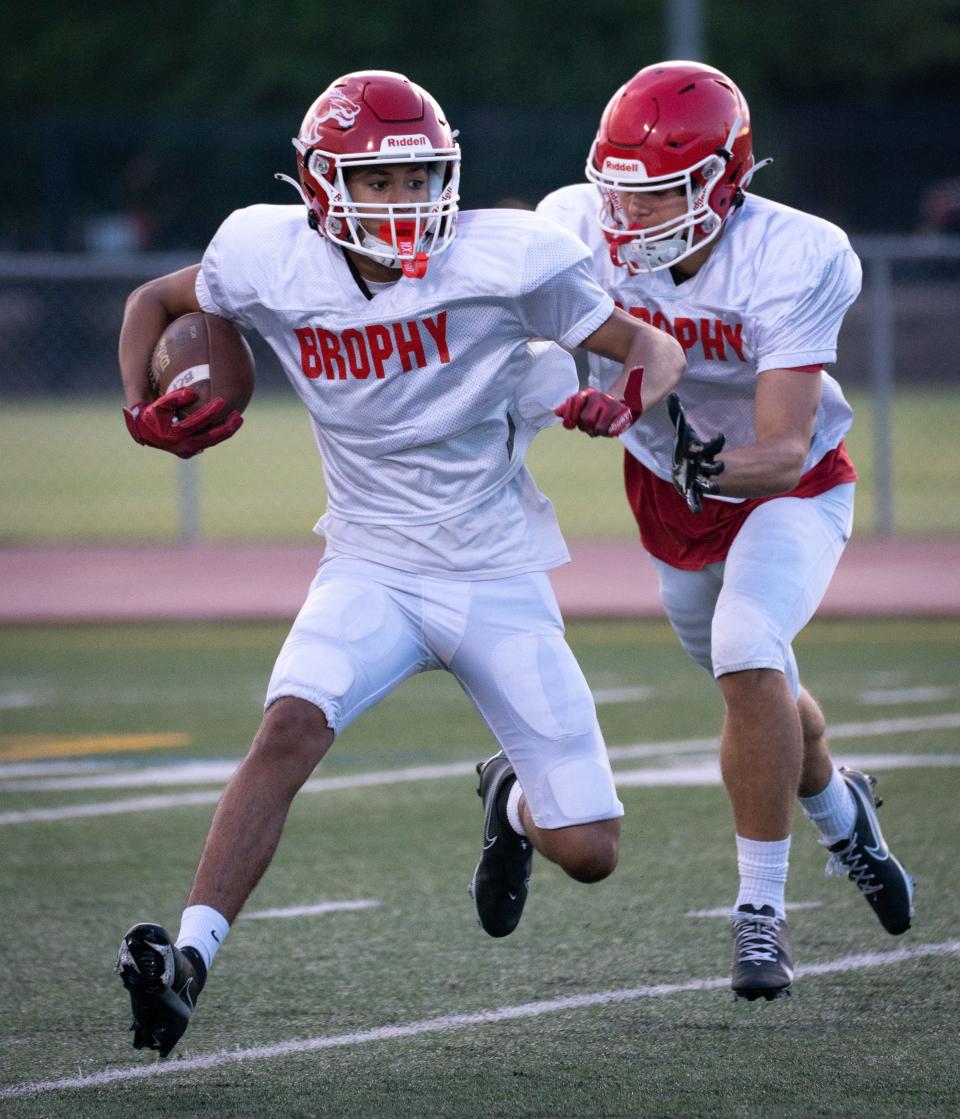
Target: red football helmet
(674, 124)
(372, 118)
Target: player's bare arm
(147, 312)
(653, 363)
(159, 423)
(784, 411)
(638, 345)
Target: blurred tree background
(144, 124)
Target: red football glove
(596, 413)
(156, 425)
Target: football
(206, 353)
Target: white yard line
(13, 701)
(18, 771)
(708, 772)
(884, 696)
(703, 773)
(448, 1022)
(659, 749)
(130, 777)
(108, 808)
(310, 910)
(218, 773)
(948, 721)
(604, 696)
(725, 911)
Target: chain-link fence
(71, 473)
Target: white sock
(202, 928)
(834, 811)
(763, 872)
(513, 809)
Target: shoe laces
(755, 937)
(849, 860)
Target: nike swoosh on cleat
(184, 993)
(880, 852)
(488, 842)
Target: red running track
(899, 576)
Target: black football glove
(694, 465)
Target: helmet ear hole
(317, 164)
(711, 169)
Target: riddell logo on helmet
(401, 143)
(625, 167)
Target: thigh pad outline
(538, 678)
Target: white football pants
(745, 612)
(366, 627)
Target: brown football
(205, 353)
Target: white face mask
(661, 246)
(657, 246)
(406, 234)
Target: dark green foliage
(238, 55)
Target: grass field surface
(358, 984)
(72, 475)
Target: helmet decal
(340, 109)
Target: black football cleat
(762, 954)
(867, 861)
(163, 982)
(500, 882)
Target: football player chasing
(404, 327)
(743, 493)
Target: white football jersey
(423, 399)
(772, 295)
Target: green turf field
(609, 1000)
(72, 475)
